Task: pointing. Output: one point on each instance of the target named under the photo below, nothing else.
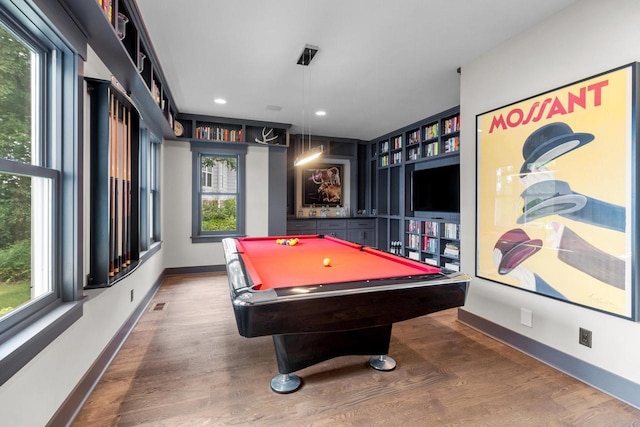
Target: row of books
(395, 159)
(452, 144)
(430, 244)
(214, 133)
(413, 153)
(431, 131)
(396, 141)
(413, 226)
(413, 241)
(432, 149)
(384, 147)
(431, 228)
(451, 231)
(413, 137)
(452, 125)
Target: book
(431, 261)
(452, 250)
(452, 266)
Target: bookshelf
(221, 129)
(427, 236)
(433, 242)
(119, 38)
(391, 151)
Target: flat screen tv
(436, 189)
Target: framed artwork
(322, 185)
(556, 185)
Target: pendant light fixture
(311, 154)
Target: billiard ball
(326, 262)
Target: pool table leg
(382, 363)
(285, 383)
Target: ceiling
(381, 64)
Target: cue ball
(326, 262)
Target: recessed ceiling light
(220, 101)
(321, 113)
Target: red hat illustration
(515, 246)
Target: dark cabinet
(356, 230)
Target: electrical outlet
(585, 337)
(131, 295)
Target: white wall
(589, 37)
(34, 394)
(176, 205)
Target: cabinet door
(333, 227)
(365, 237)
(340, 234)
(297, 227)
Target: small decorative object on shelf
(267, 137)
(121, 29)
(140, 61)
(178, 129)
(155, 92)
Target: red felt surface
(271, 265)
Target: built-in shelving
(119, 38)
(221, 129)
(432, 141)
(433, 242)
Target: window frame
(198, 150)
(149, 190)
(28, 330)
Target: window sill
(19, 349)
(214, 239)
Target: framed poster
(322, 185)
(556, 185)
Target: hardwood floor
(185, 365)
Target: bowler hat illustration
(515, 246)
(549, 142)
(549, 197)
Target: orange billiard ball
(326, 262)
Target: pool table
(317, 312)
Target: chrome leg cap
(382, 363)
(285, 383)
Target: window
(39, 196)
(149, 190)
(218, 196)
(154, 191)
